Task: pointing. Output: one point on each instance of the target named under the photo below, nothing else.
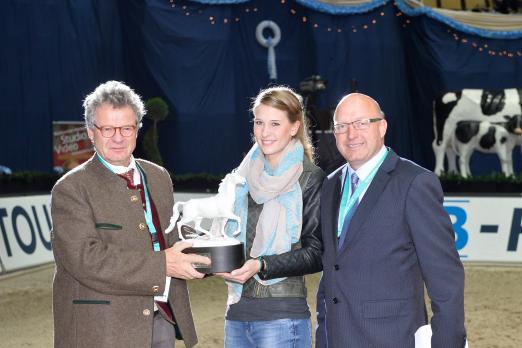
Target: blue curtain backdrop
(204, 60)
(51, 54)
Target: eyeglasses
(109, 131)
(340, 128)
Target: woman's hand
(241, 275)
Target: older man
(385, 236)
(112, 285)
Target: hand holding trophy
(226, 253)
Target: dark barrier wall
(204, 60)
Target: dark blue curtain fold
(205, 61)
(53, 52)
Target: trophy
(226, 253)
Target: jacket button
(335, 300)
(336, 267)
(155, 289)
(142, 226)
(134, 198)
(146, 312)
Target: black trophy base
(224, 258)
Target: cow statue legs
(440, 152)
(486, 138)
(465, 153)
(445, 148)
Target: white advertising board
(487, 228)
(25, 231)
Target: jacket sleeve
(105, 267)
(307, 259)
(441, 267)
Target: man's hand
(241, 275)
(180, 265)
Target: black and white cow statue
(474, 119)
(483, 136)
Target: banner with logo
(25, 232)
(71, 145)
(487, 228)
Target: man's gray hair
(116, 94)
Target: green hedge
(27, 182)
(41, 182)
(492, 183)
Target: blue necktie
(354, 181)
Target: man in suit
(385, 236)
(118, 282)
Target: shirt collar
(124, 169)
(367, 167)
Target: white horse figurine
(218, 206)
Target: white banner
(25, 226)
(487, 228)
(25, 230)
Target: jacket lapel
(155, 194)
(370, 198)
(333, 192)
(104, 177)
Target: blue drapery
(52, 53)
(204, 60)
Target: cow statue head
(514, 124)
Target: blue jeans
(281, 333)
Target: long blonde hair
(285, 99)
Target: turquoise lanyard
(147, 211)
(347, 201)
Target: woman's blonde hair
(285, 99)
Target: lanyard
(347, 201)
(147, 211)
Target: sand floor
(493, 307)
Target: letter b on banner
(461, 235)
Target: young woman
(279, 210)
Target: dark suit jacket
(371, 293)
(106, 271)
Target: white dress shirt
(364, 170)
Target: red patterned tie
(129, 176)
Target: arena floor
(493, 307)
